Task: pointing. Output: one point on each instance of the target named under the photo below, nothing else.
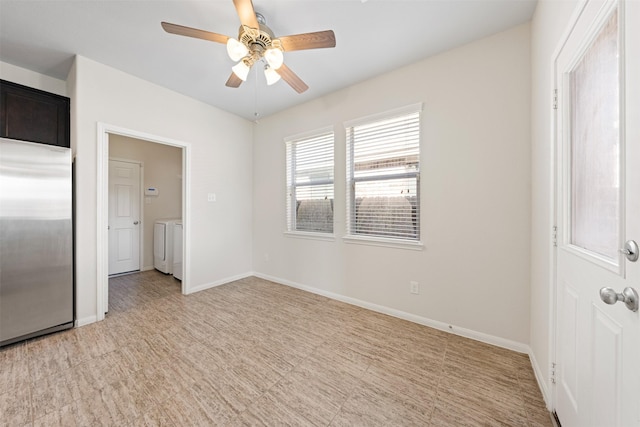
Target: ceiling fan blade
(194, 32)
(292, 78)
(246, 13)
(315, 40)
(233, 81)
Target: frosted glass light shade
(271, 75)
(241, 70)
(236, 50)
(274, 58)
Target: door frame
(556, 147)
(102, 204)
(141, 210)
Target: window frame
(351, 181)
(291, 186)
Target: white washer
(177, 250)
(163, 244)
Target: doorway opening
(126, 146)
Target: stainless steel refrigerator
(36, 240)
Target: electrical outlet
(414, 287)
(211, 197)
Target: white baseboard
(542, 384)
(218, 283)
(86, 320)
(147, 268)
(467, 333)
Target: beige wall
(162, 169)
(32, 79)
(475, 189)
(220, 147)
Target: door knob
(136, 222)
(629, 296)
(630, 250)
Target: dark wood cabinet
(34, 115)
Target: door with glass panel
(598, 218)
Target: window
(595, 145)
(310, 182)
(383, 175)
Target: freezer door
(36, 240)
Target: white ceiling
(372, 37)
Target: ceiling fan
(255, 42)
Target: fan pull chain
(255, 101)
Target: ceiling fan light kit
(257, 42)
(271, 75)
(241, 70)
(236, 50)
(274, 57)
(252, 46)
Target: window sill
(387, 243)
(310, 236)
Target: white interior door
(598, 135)
(124, 217)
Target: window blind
(310, 182)
(383, 174)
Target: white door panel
(124, 217)
(598, 139)
(568, 377)
(123, 200)
(125, 245)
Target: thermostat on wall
(151, 191)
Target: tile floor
(253, 352)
